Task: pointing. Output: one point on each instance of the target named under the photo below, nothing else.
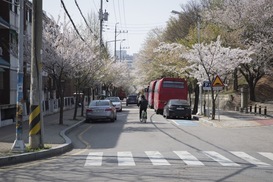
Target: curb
(31, 156)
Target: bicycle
(143, 116)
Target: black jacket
(143, 104)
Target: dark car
(131, 99)
(177, 108)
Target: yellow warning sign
(217, 82)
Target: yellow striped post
(35, 126)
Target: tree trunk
(76, 105)
(213, 104)
(251, 86)
(235, 77)
(82, 104)
(61, 108)
(196, 100)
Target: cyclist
(142, 104)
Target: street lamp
(120, 49)
(115, 40)
(176, 12)
(198, 41)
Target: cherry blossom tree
(253, 22)
(208, 60)
(56, 56)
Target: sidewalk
(54, 137)
(235, 119)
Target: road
(159, 150)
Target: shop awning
(4, 63)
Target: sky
(136, 17)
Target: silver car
(101, 110)
(116, 101)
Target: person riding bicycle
(142, 104)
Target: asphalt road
(159, 150)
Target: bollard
(265, 111)
(255, 109)
(250, 108)
(260, 110)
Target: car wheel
(87, 121)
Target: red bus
(151, 94)
(169, 88)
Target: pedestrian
(142, 104)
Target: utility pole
(18, 145)
(36, 116)
(115, 53)
(102, 17)
(119, 32)
(200, 85)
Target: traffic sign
(206, 85)
(217, 82)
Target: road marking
(94, 159)
(250, 159)
(125, 159)
(184, 122)
(156, 158)
(220, 159)
(188, 158)
(267, 154)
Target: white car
(101, 110)
(116, 101)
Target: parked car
(177, 108)
(116, 101)
(101, 110)
(131, 99)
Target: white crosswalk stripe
(94, 159)
(156, 158)
(220, 159)
(126, 158)
(188, 158)
(250, 159)
(267, 154)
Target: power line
(71, 20)
(85, 19)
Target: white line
(156, 158)
(188, 158)
(267, 154)
(220, 159)
(250, 159)
(94, 159)
(125, 159)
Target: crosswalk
(155, 158)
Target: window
(1, 81)
(173, 84)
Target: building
(9, 36)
